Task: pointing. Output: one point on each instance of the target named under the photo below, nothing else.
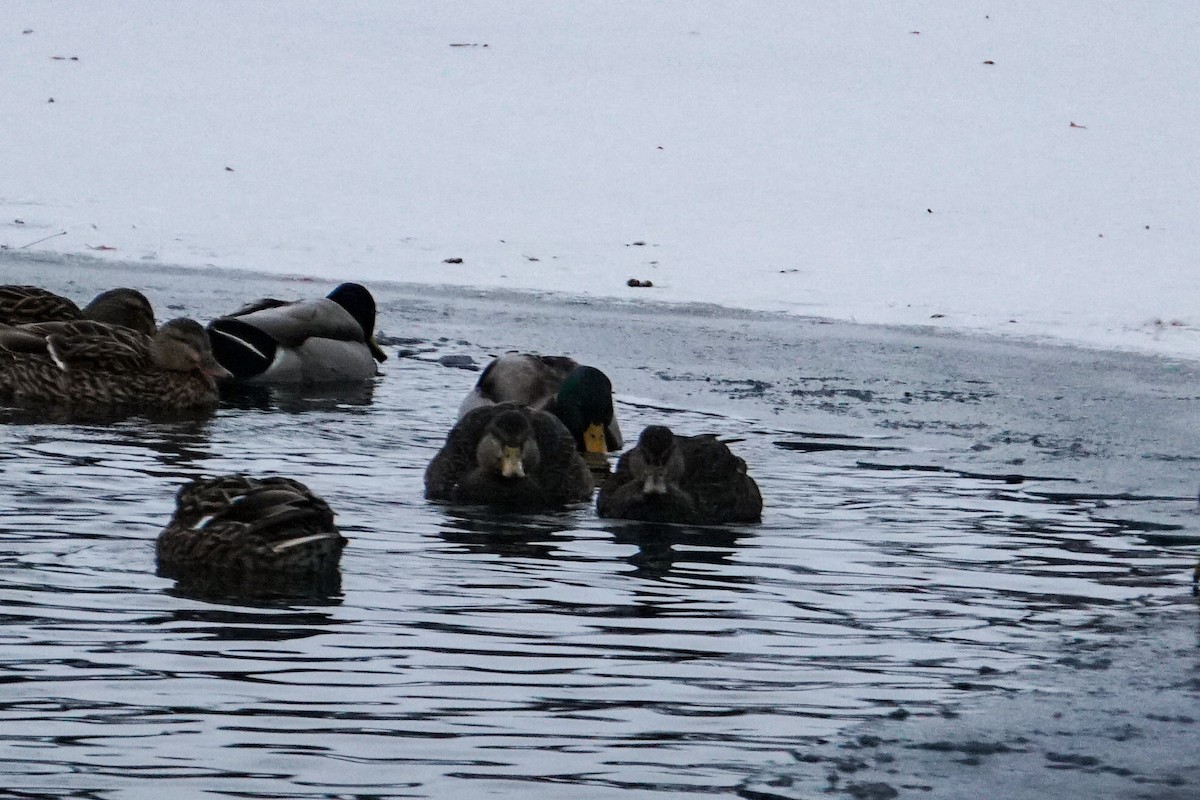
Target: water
(473, 655)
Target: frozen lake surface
(906, 560)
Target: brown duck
(511, 457)
(88, 365)
(688, 479)
(242, 529)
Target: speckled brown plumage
(23, 305)
(687, 479)
(87, 366)
(240, 528)
(559, 476)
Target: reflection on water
(469, 653)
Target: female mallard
(236, 527)
(580, 396)
(669, 478)
(510, 456)
(327, 340)
(22, 305)
(91, 365)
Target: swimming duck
(22, 305)
(238, 527)
(327, 340)
(511, 456)
(93, 365)
(691, 479)
(580, 396)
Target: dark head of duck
(360, 304)
(584, 404)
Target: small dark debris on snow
(990, 63)
(937, 316)
(18, 221)
(27, 31)
(532, 258)
(51, 100)
(915, 33)
(451, 260)
(467, 44)
(1081, 127)
(229, 169)
(639, 284)
(65, 58)
(638, 243)
(929, 211)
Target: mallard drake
(236, 527)
(22, 305)
(691, 479)
(511, 456)
(580, 396)
(327, 340)
(93, 365)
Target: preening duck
(510, 456)
(327, 340)
(690, 479)
(580, 396)
(85, 365)
(245, 529)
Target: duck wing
(290, 324)
(82, 343)
(718, 481)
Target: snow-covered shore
(1011, 168)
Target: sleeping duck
(690, 479)
(510, 456)
(241, 529)
(83, 365)
(580, 396)
(327, 340)
(22, 305)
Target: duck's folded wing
(290, 324)
(83, 342)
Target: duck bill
(376, 351)
(213, 369)
(655, 484)
(593, 439)
(510, 463)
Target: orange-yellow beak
(593, 439)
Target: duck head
(657, 460)
(127, 307)
(507, 447)
(182, 345)
(359, 303)
(584, 404)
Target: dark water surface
(472, 655)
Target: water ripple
(490, 654)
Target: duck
(239, 528)
(684, 479)
(329, 339)
(23, 305)
(86, 365)
(580, 396)
(509, 456)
